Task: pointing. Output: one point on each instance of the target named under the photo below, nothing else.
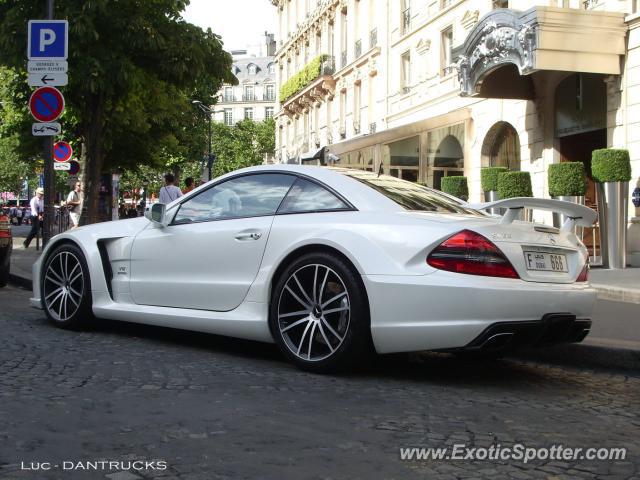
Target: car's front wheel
(318, 314)
(66, 288)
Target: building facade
(254, 96)
(423, 89)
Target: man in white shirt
(74, 203)
(37, 210)
(169, 192)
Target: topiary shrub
(514, 184)
(610, 165)
(567, 179)
(456, 186)
(489, 178)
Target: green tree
(134, 68)
(243, 145)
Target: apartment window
(358, 49)
(248, 113)
(252, 69)
(248, 93)
(228, 94)
(343, 113)
(270, 92)
(268, 112)
(406, 16)
(272, 68)
(405, 72)
(343, 38)
(228, 116)
(357, 100)
(447, 46)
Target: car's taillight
(471, 253)
(584, 274)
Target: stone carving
(499, 38)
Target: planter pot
(633, 242)
(492, 196)
(615, 221)
(559, 219)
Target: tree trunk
(91, 175)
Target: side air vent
(106, 267)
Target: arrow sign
(43, 79)
(45, 129)
(62, 151)
(47, 66)
(62, 166)
(46, 104)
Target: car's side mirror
(157, 213)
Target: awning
(314, 156)
(506, 46)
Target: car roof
(357, 193)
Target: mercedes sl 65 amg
(329, 264)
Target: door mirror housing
(156, 213)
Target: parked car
(328, 264)
(6, 246)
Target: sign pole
(49, 174)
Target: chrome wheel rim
(63, 286)
(314, 312)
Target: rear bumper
(448, 311)
(552, 329)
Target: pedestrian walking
(19, 214)
(74, 204)
(169, 192)
(188, 185)
(36, 212)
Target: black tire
(340, 332)
(66, 288)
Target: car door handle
(248, 236)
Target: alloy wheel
(63, 286)
(314, 312)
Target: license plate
(550, 262)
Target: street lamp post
(210, 155)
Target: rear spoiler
(576, 214)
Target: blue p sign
(48, 39)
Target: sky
(241, 23)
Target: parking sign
(48, 39)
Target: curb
(605, 292)
(585, 355)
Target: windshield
(412, 196)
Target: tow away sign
(45, 129)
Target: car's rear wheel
(318, 314)
(66, 287)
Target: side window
(306, 196)
(247, 196)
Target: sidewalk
(615, 344)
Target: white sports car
(328, 264)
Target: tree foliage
(243, 145)
(134, 68)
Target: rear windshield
(411, 196)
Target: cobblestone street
(213, 408)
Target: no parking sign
(46, 104)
